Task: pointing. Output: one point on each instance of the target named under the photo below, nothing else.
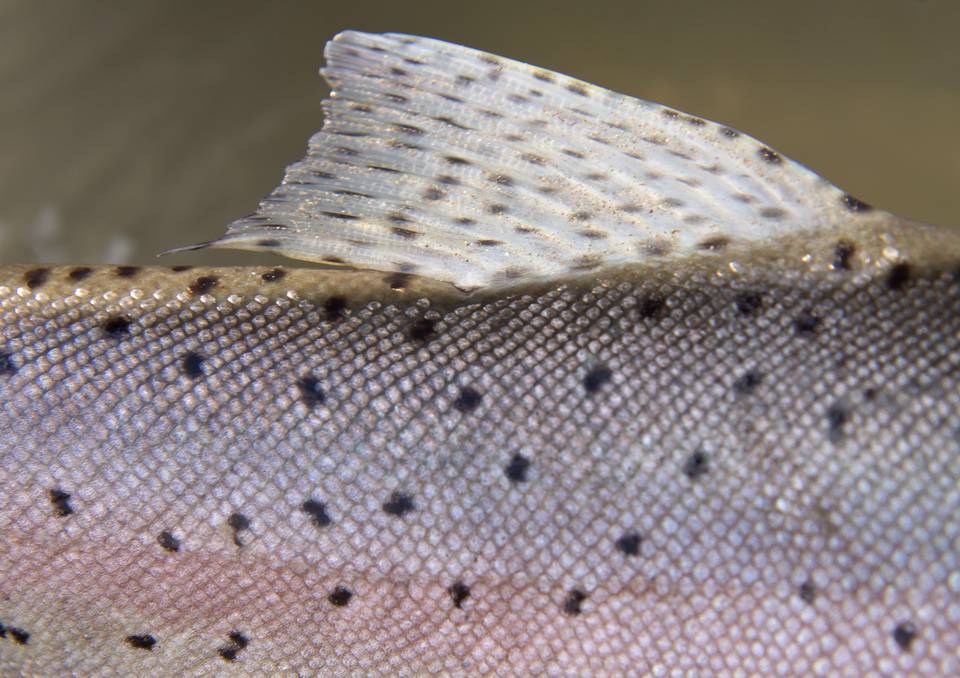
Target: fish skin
(673, 515)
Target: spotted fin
(469, 168)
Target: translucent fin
(469, 168)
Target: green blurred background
(130, 127)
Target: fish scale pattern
(799, 521)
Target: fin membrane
(469, 168)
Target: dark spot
(397, 281)
(807, 592)
(142, 642)
(117, 327)
(573, 603)
(79, 273)
(22, 637)
(842, 254)
(168, 541)
(238, 639)
(395, 98)
(573, 154)
(61, 502)
(398, 218)
(773, 213)
(340, 596)
(729, 133)
(669, 113)
(36, 277)
(696, 122)
(448, 180)
(747, 383)
(406, 233)
(433, 194)
(898, 276)
(580, 216)
(408, 129)
(837, 416)
(501, 179)
(696, 465)
(399, 504)
(497, 208)
(459, 592)
(422, 329)
(126, 271)
(748, 303)
(310, 391)
(339, 215)
(465, 221)
(268, 242)
(577, 88)
(651, 307)
(317, 511)
(334, 307)
(715, 244)
(904, 635)
(629, 544)
(534, 159)
(273, 275)
(597, 377)
(855, 205)
(202, 285)
(468, 400)
(769, 155)
(193, 365)
(487, 242)
(517, 469)
(806, 323)
(228, 653)
(7, 364)
(455, 160)
(450, 121)
(238, 523)
(381, 168)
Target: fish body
(715, 451)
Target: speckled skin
(692, 473)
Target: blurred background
(128, 127)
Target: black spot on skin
(454, 160)
(898, 276)
(238, 523)
(19, 635)
(747, 383)
(806, 324)
(228, 653)
(202, 285)
(517, 469)
(397, 281)
(433, 194)
(142, 642)
(79, 273)
(448, 180)
(193, 365)
(334, 307)
(769, 155)
(404, 232)
(651, 307)
(904, 634)
(748, 303)
(340, 215)
(3, 630)
(268, 242)
(577, 89)
(36, 277)
(807, 592)
(837, 416)
(168, 541)
(181, 268)
(696, 465)
(468, 400)
(501, 179)
(423, 329)
(126, 271)
(597, 377)
(61, 502)
(117, 327)
(399, 504)
(497, 208)
(855, 205)
(729, 133)
(310, 391)
(238, 639)
(340, 596)
(842, 254)
(7, 364)
(573, 603)
(459, 592)
(273, 275)
(629, 544)
(317, 511)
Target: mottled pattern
(693, 474)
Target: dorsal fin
(450, 163)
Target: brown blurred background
(130, 127)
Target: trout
(589, 386)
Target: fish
(585, 385)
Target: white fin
(450, 163)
